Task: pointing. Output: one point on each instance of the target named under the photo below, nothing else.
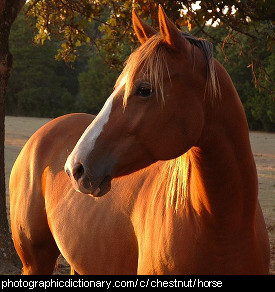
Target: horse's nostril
(78, 172)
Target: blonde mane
(151, 59)
(177, 181)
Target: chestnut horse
(168, 167)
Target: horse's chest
(166, 248)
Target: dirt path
(263, 146)
(19, 129)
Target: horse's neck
(223, 178)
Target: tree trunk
(9, 10)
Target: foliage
(39, 85)
(42, 86)
(258, 103)
(69, 21)
(96, 84)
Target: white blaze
(88, 139)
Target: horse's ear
(170, 33)
(143, 30)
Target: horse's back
(48, 216)
(48, 147)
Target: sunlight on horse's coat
(170, 164)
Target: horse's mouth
(102, 189)
(95, 189)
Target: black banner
(40, 283)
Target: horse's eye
(144, 91)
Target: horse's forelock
(151, 59)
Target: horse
(161, 181)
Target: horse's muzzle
(88, 184)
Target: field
(19, 129)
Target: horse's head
(156, 111)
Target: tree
(69, 20)
(96, 84)
(8, 12)
(258, 104)
(39, 85)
